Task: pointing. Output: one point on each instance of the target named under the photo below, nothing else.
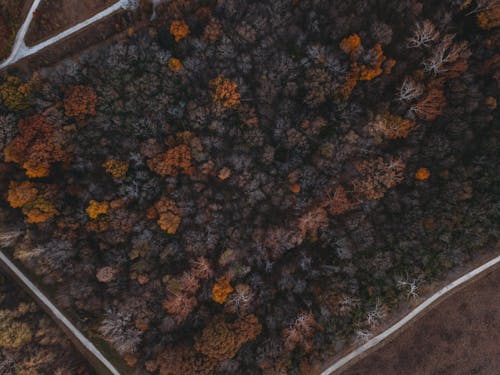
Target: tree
(179, 29)
(181, 359)
(388, 126)
(96, 208)
(221, 290)
(13, 333)
(37, 146)
(359, 70)
(172, 162)
(431, 106)
(180, 304)
(224, 92)
(167, 213)
(423, 35)
(21, 193)
(378, 176)
(15, 94)
(446, 54)
(39, 211)
(116, 168)
(301, 332)
(80, 101)
(221, 340)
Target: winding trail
(411, 316)
(60, 318)
(20, 50)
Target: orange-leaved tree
(80, 101)
(116, 168)
(179, 29)
(359, 71)
(221, 290)
(37, 146)
(34, 203)
(167, 213)
(172, 162)
(224, 92)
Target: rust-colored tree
(172, 162)
(180, 304)
(39, 211)
(80, 101)
(221, 340)
(37, 146)
(116, 168)
(300, 333)
(21, 193)
(221, 290)
(338, 202)
(362, 71)
(388, 126)
(224, 92)
(167, 213)
(181, 359)
(377, 176)
(430, 107)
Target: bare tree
(361, 336)
(446, 52)
(410, 286)
(375, 315)
(8, 238)
(423, 35)
(118, 329)
(410, 90)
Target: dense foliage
(248, 186)
(30, 343)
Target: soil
(12, 15)
(459, 336)
(55, 16)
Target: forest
(250, 187)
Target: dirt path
(458, 336)
(84, 345)
(54, 16)
(21, 51)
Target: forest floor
(55, 16)
(459, 336)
